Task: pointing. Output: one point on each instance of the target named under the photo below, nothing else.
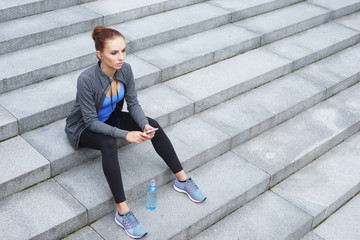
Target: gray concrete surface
(299, 17)
(311, 236)
(261, 109)
(344, 224)
(267, 217)
(288, 147)
(40, 28)
(165, 104)
(247, 8)
(327, 183)
(8, 124)
(167, 26)
(314, 44)
(197, 51)
(114, 12)
(51, 142)
(351, 21)
(45, 211)
(229, 78)
(339, 8)
(79, 54)
(21, 168)
(242, 180)
(335, 72)
(86, 233)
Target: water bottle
(151, 196)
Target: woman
(97, 120)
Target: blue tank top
(106, 108)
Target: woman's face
(114, 53)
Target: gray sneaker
(191, 189)
(132, 226)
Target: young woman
(97, 120)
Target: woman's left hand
(147, 128)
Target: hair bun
(97, 30)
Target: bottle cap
(152, 183)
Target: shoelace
(130, 220)
(191, 185)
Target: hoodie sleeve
(132, 102)
(85, 94)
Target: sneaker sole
(182, 191)
(127, 233)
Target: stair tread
(336, 71)
(246, 8)
(21, 168)
(312, 132)
(317, 43)
(8, 124)
(33, 210)
(242, 182)
(155, 29)
(298, 17)
(266, 217)
(351, 21)
(114, 12)
(197, 51)
(343, 224)
(43, 22)
(327, 183)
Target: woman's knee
(108, 143)
(153, 123)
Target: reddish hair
(101, 34)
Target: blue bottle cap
(152, 183)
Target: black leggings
(108, 147)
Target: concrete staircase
(260, 100)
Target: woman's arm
(132, 102)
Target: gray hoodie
(92, 86)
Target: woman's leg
(108, 147)
(161, 143)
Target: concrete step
(338, 8)
(314, 44)
(40, 28)
(298, 17)
(80, 50)
(21, 166)
(247, 8)
(8, 124)
(267, 217)
(283, 100)
(86, 233)
(156, 29)
(22, 8)
(308, 135)
(327, 183)
(344, 224)
(45, 211)
(114, 12)
(242, 180)
(351, 21)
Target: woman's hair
(101, 34)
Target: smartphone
(152, 130)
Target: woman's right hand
(137, 137)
